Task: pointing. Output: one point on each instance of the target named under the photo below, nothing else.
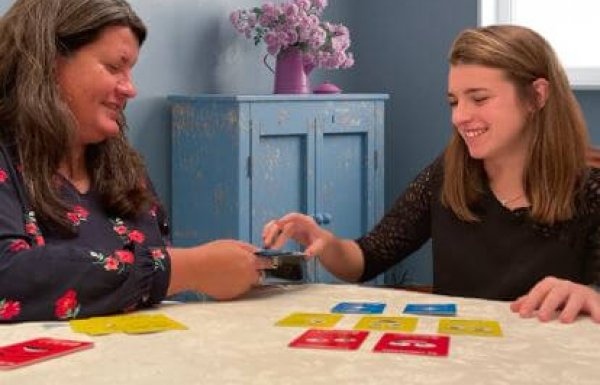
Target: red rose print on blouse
(32, 229)
(158, 257)
(119, 262)
(9, 309)
(127, 235)
(18, 245)
(3, 176)
(78, 215)
(121, 230)
(136, 236)
(124, 256)
(66, 306)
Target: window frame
(500, 12)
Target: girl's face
(487, 112)
(95, 82)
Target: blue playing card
(448, 309)
(359, 307)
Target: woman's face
(95, 81)
(487, 112)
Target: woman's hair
(36, 119)
(555, 165)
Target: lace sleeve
(404, 228)
(592, 264)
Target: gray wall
(400, 47)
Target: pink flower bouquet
(297, 23)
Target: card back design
(131, 324)
(330, 339)
(447, 309)
(359, 307)
(38, 349)
(429, 345)
(482, 328)
(402, 324)
(310, 320)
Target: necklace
(505, 202)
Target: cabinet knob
(322, 218)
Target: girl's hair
(37, 121)
(555, 167)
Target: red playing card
(39, 349)
(330, 339)
(413, 344)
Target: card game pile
(397, 331)
(40, 349)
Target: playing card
(132, 324)
(448, 309)
(404, 324)
(321, 320)
(482, 328)
(95, 326)
(36, 350)
(330, 339)
(286, 265)
(359, 307)
(413, 344)
(149, 323)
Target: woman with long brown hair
(511, 208)
(81, 231)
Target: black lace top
(501, 257)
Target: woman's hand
(223, 269)
(299, 227)
(552, 295)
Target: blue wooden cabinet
(239, 161)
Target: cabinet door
(345, 177)
(209, 147)
(282, 163)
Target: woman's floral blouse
(112, 265)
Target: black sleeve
(404, 228)
(59, 281)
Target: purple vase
(291, 74)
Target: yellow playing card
(149, 323)
(405, 324)
(95, 326)
(132, 324)
(483, 328)
(312, 320)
